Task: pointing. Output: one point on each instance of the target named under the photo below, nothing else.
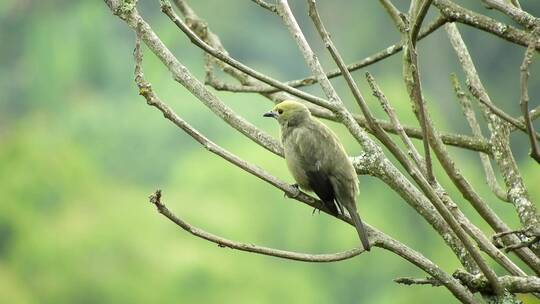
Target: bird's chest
(301, 156)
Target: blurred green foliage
(80, 152)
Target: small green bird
(317, 161)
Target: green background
(80, 151)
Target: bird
(318, 162)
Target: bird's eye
(280, 111)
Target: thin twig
(527, 238)
(419, 19)
(477, 283)
(411, 149)
(412, 79)
(497, 111)
(266, 5)
(523, 244)
(155, 199)
(397, 17)
(374, 58)
(477, 132)
(414, 281)
(524, 101)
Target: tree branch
(517, 192)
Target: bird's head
(289, 112)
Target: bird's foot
(296, 192)
(314, 210)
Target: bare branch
(427, 197)
(523, 244)
(414, 281)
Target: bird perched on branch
(318, 162)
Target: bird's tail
(362, 233)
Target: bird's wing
(320, 184)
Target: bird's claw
(296, 192)
(315, 209)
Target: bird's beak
(270, 114)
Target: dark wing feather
(320, 184)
